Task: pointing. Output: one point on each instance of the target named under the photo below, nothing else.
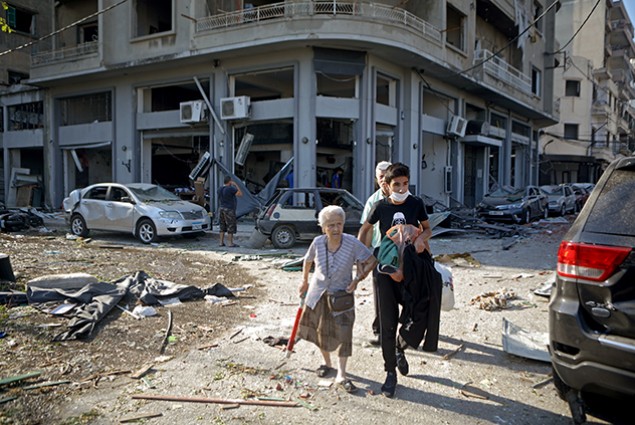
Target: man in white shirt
(382, 192)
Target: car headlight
(513, 206)
(174, 215)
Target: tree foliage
(4, 26)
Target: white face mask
(399, 197)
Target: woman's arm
(363, 268)
(304, 286)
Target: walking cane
(294, 331)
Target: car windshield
(506, 191)
(553, 190)
(152, 193)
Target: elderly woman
(329, 313)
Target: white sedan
(147, 211)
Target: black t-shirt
(412, 211)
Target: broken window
(267, 84)
(1, 119)
(572, 88)
(86, 109)
(20, 20)
(153, 16)
(538, 10)
(455, 28)
(87, 32)
(536, 81)
(571, 131)
(17, 77)
(168, 98)
(338, 71)
(386, 91)
(26, 116)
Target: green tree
(3, 22)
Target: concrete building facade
(594, 81)
(458, 90)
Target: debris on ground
(493, 300)
(530, 345)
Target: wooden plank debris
(167, 333)
(142, 371)
(216, 400)
(46, 384)
(454, 352)
(139, 417)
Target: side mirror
(127, 199)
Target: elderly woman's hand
(303, 288)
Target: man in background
(227, 210)
(381, 193)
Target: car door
(569, 198)
(93, 207)
(119, 210)
(531, 198)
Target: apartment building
(21, 105)
(594, 81)
(141, 89)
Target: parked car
(520, 205)
(292, 214)
(561, 198)
(144, 210)
(591, 309)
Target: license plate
(496, 213)
(197, 226)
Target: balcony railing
(301, 9)
(501, 70)
(43, 58)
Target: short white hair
(382, 166)
(329, 211)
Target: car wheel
(546, 212)
(78, 226)
(563, 210)
(283, 237)
(146, 231)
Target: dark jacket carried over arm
(421, 311)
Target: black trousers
(375, 325)
(389, 298)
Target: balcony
(501, 71)
(68, 53)
(302, 9)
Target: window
(153, 16)
(97, 193)
(20, 20)
(16, 77)
(87, 32)
(571, 131)
(1, 119)
(86, 109)
(26, 116)
(386, 91)
(455, 28)
(572, 88)
(536, 82)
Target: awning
(478, 139)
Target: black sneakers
(389, 387)
(402, 362)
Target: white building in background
(456, 89)
(594, 81)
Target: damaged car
(292, 214)
(561, 198)
(147, 211)
(519, 205)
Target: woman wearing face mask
(399, 208)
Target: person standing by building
(227, 194)
(326, 321)
(336, 179)
(381, 193)
(399, 208)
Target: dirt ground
(225, 356)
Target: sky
(630, 8)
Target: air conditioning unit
(243, 149)
(456, 126)
(477, 127)
(192, 111)
(447, 179)
(234, 108)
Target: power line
(92, 15)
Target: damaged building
(139, 91)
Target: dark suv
(592, 307)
